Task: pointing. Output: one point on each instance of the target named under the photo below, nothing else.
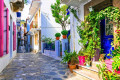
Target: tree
(60, 14)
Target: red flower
(117, 31)
(110, 71)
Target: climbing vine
(89, 30)
(74, 13)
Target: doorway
(106, 37)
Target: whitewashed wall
(73, 27)
(48, 25)
(4, 61)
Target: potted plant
(66, 58)
(88, 61)
(64, 33)
(81, 58)
(57, 35)
(73, 61)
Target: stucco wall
(48, 25)
(73, 27)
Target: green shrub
(57, 35)
(64, 32)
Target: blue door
(106, 37)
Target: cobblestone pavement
(28, 66)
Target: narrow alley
(30, 66)
(59, 39)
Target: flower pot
(57, 38)
(64, 36)
(82, 60)
(97, 55)
(71, 67)
(88, 64)
(109, 64)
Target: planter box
(82, 60)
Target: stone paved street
(29, 66)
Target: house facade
(33, 26)
(8, 31)
(48, 25)
(83, 9)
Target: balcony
(74, 3)
(16, 5)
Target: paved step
(85, 75)
(96, 63)
(91, 70)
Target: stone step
(85, 75)
(89, 69)
(96, 63)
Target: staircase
(87, 73)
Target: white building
(79, 6)
(48, 25)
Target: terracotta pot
(71, 67)
(57, 38)
(64, 36)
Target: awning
(34, 6)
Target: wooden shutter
(1, 26)
(7, 31)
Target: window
(108, 27)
